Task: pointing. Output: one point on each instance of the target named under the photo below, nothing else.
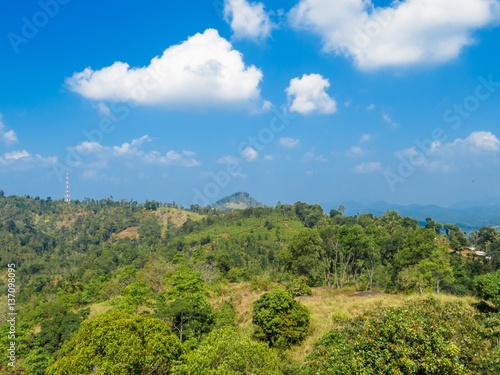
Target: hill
(469, 216)
(236, 201)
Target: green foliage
(488, 287)
(423, 338)
(298, 286)
(225, 316)
(56, 331)
(281, 321)
(303, 256)
(116, 344)
(191, 317)
(185, 305)
(227, 351)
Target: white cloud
(289, 142)
(131, 148)
(387, 119)
(87, 147)
(356, 152)
(369, 167)
(475, 150)
(403, 34)
(93, 155)
(228, 159)
(9, 136)
(365, 138)
(371, 107)
(250, 154)
(16, 155)
(103, 109)
(307, 95)
(172, 157)
(312, 156)
(478, 142)
(203, 70)
(23, 160)
(247, 20)
(268, 157)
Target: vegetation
(136, 288)
(425, 338)
(281, 321)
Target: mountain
(236, 201)
(468, 215)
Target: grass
(326, 305)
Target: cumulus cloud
(356, 152)
(402, 34)
(23, 160)
(476, 149)
(289, 142)
(313, 156)
(250, 154)
(247, 20)
(477, 143)
(307, 95)
(93, 155)
(203, 70)
(369, 167)
(172, 157)
(7, 136)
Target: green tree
(281, 321)
(185, 305)
(426, 337)
(227, 351)
(488, 287)
(303, 256)
(116, 344)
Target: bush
(116, 344)
(225, 352)
(281, 321)
(427, 337)
(298, 286)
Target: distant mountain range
(467, 215)
(236, 201)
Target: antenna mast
(67, 196)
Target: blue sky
(314, 100)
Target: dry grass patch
(328, 306)
(99, 308)
(131, 233)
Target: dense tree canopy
(166, 268)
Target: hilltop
(236, 201)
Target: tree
(185, 305)
(191, 317)
(488, 287)
(116, 344)
(426, 337)
(304, 254)
(281, 321)
(227, 351)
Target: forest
(120, 287)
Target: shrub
(281, 321)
